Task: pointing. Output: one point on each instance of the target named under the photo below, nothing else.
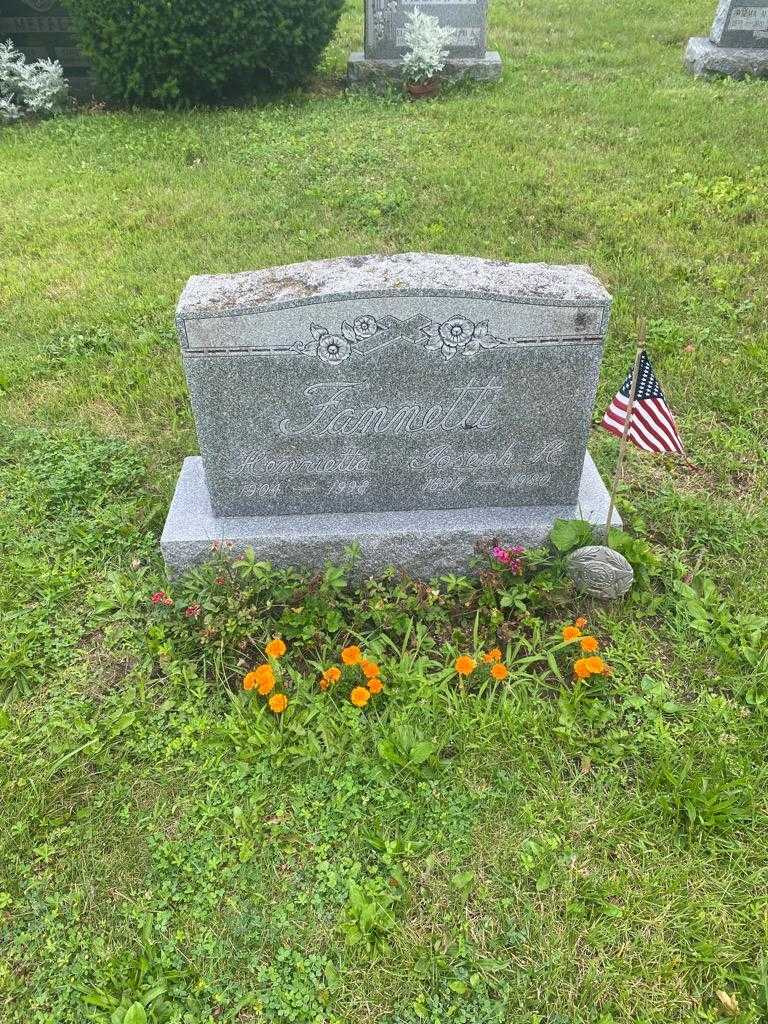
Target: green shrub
(163, 52)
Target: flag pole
(641, 334)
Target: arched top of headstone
(406, 274)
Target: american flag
(652, 425)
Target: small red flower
(193, 611)
(220, 581)
(160, 597)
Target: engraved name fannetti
(470, 409)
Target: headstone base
(703, 58)
(362, 70)
(424, 543)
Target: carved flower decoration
(365, 327)
(460, 334)
(457, 331)
(333, 348)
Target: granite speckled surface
(392, 383)
(385, 21)
(388, 399)
(739, 25)
(737, 45)
(383, 73)
(424, 543)
(384, 43)
(703, 59)
(411, 272)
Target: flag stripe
(655, 417)
(640, 440)
(656, 427)
(663, 421)
(635, 435)
(654, 436)
(664, 416)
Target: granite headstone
(43, 28)
(737, 45)
(385, 22)
(412, 404)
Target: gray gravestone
(43, 28)
(385, 22)
(412, 404)
(737, 45)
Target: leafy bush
(426, 40)
(202, 50)
(27, 89)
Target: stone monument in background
(384, 45)
(43, 28)
(415, 405)
(737, 45)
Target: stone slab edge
(424, 543)
(362, 70)
(703, 58)
(721, 19)
(413, 273)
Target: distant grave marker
(385, 22)
(43, 28)
(737, 45)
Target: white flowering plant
(26, 89)
(426, 40)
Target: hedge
(165, 52)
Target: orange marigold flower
(265, 679)
(596, 666)
(324, 684)
(581, 669)
(375, 685)
(499, 671)
(589, 644)
(370, 668)
(571, 633)
(491, 656)
(276, 648)
(580, 623)
(278, 703)
(332, 674)
(360, 696)
(465, 665)
(250, 681)
(352, 655)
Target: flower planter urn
(423, 90)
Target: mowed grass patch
(561, 855)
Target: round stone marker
(600, 572)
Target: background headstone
(737, 45)
(411, 404)
(43, 28)
(385, 22)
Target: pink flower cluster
(512, 558)
(160, 597)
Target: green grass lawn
(533, 852)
